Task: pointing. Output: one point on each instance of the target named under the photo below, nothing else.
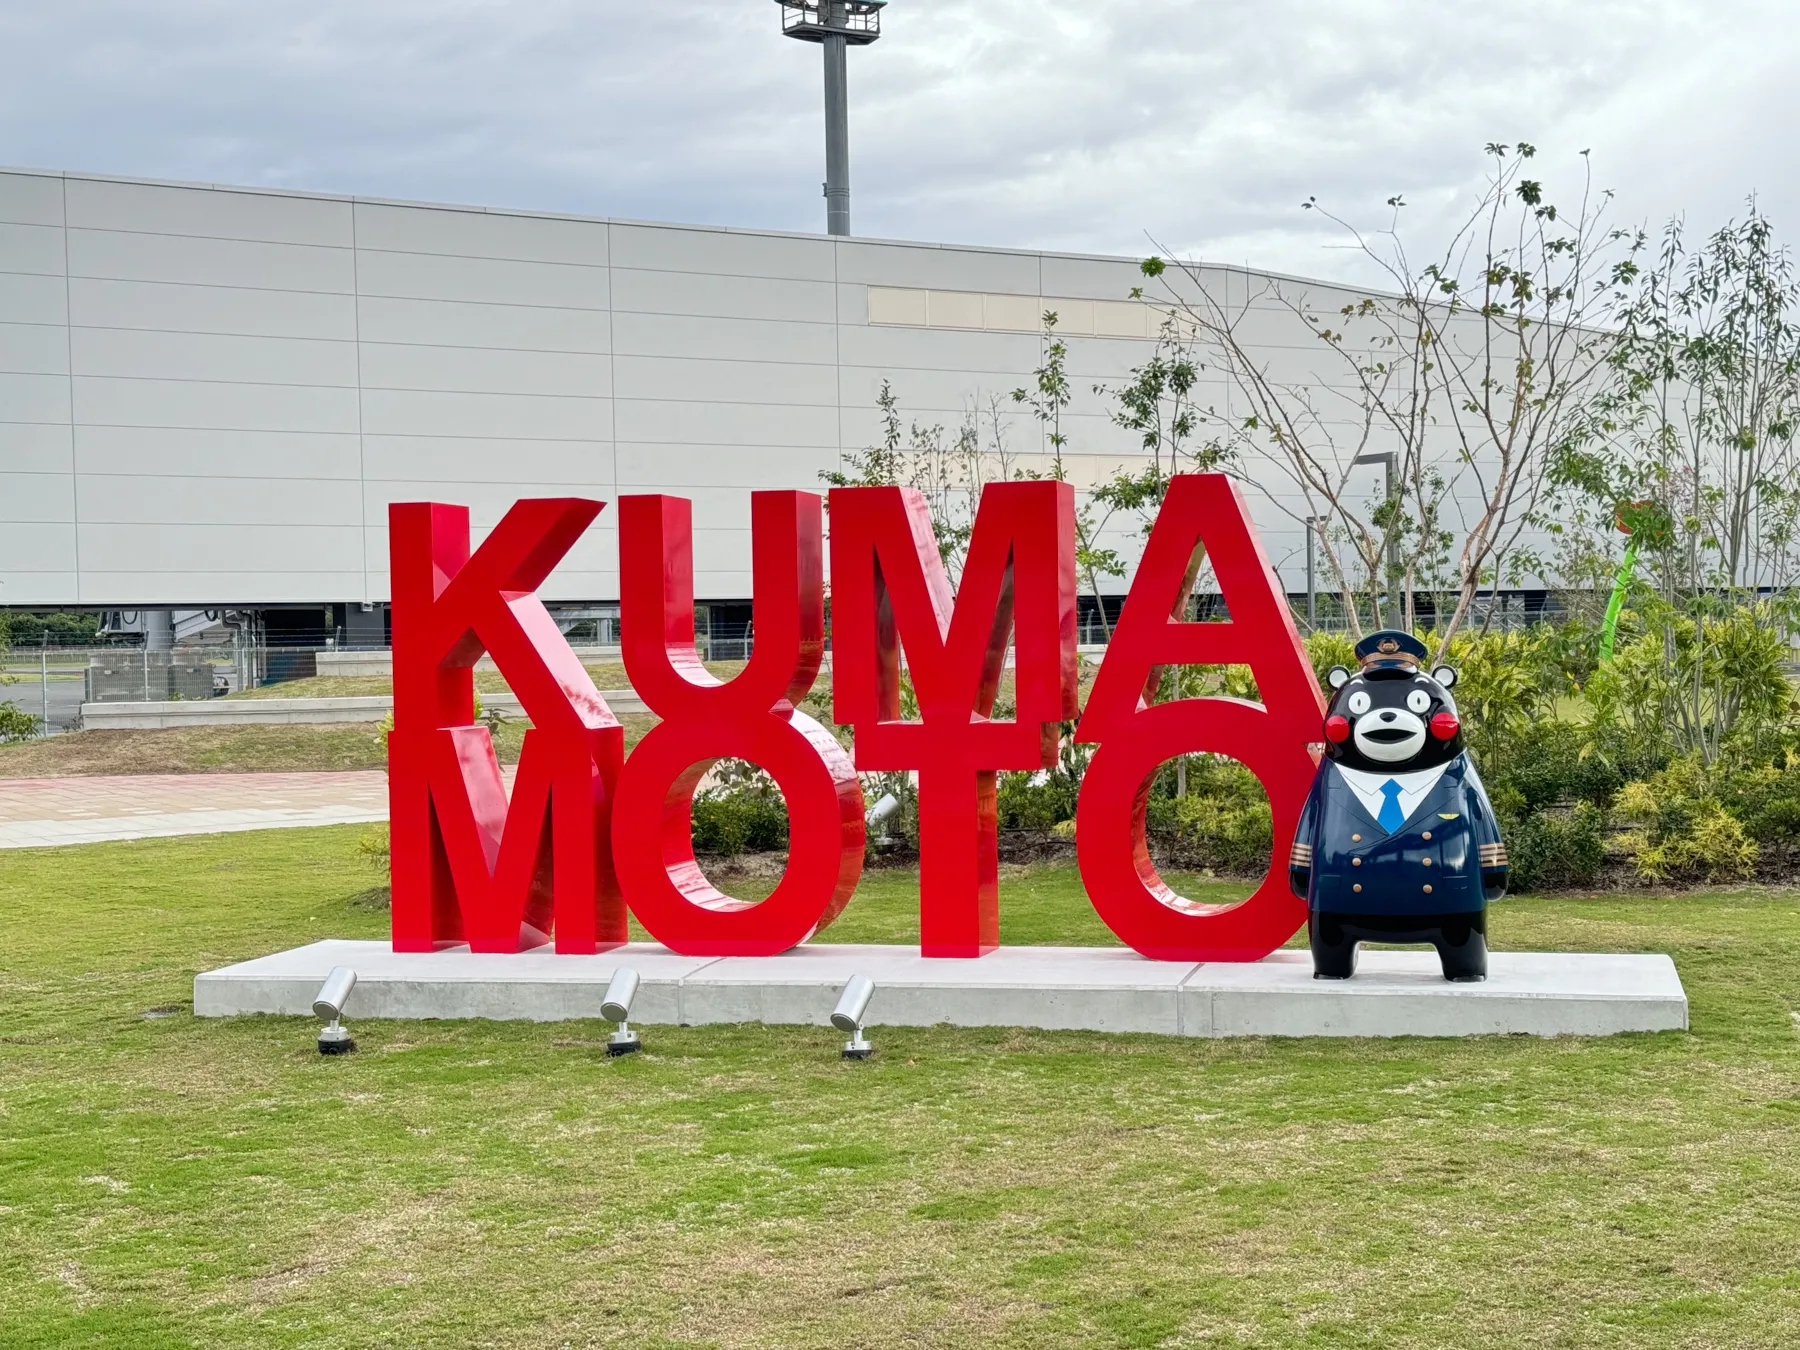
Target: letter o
(653, 843)
(1123, 883)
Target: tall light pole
(835, 25)
(1391, 462)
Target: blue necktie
(1391, 817)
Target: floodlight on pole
(852, 1006)
(835, 25)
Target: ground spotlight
(328, 1006)
(848, 1016)
(616, 1007)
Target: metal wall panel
(487, 281)
(485, 370)
(446, 323)
(34, 349)
(38, 448)
(209, 453)
(215, 213)
(31, 199)
(115, 255)
(256, 375)
(164, 307)
(480, 234)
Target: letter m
(467, 864)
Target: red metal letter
(888, 588)
(1271, 739)
(466, 863)
(751, 716)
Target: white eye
(1359, 703)
(1419, 701)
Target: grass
(171, 1182)
(231, 749)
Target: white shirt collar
(1414, 786)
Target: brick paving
(35, 812)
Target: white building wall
(210, 395)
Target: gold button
(1427, 836)
(1428, 888)
(1356, 862)
(1357, 838)
(1358, 887)
(1426, 861)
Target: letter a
(1271, 739)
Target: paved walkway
(35, 812)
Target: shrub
(1035, 801)
(729, 821)
(1556, 849)
(1684, 832)
(16, 724)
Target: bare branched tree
(1467, 373)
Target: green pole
(1621, 584)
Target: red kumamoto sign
(589, 833)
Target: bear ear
(1444, 675)
(1337, 677)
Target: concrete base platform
(1395, 993)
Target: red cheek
(1337, 729)
(1445, 726)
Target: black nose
(1387, 717)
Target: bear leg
(1462, 948)
(1333, 949)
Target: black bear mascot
(1397, 842)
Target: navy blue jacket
(1446, 857)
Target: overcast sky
(1051, 123)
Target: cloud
(1053, 124)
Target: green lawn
(168, 1182)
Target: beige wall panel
(895, 304)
